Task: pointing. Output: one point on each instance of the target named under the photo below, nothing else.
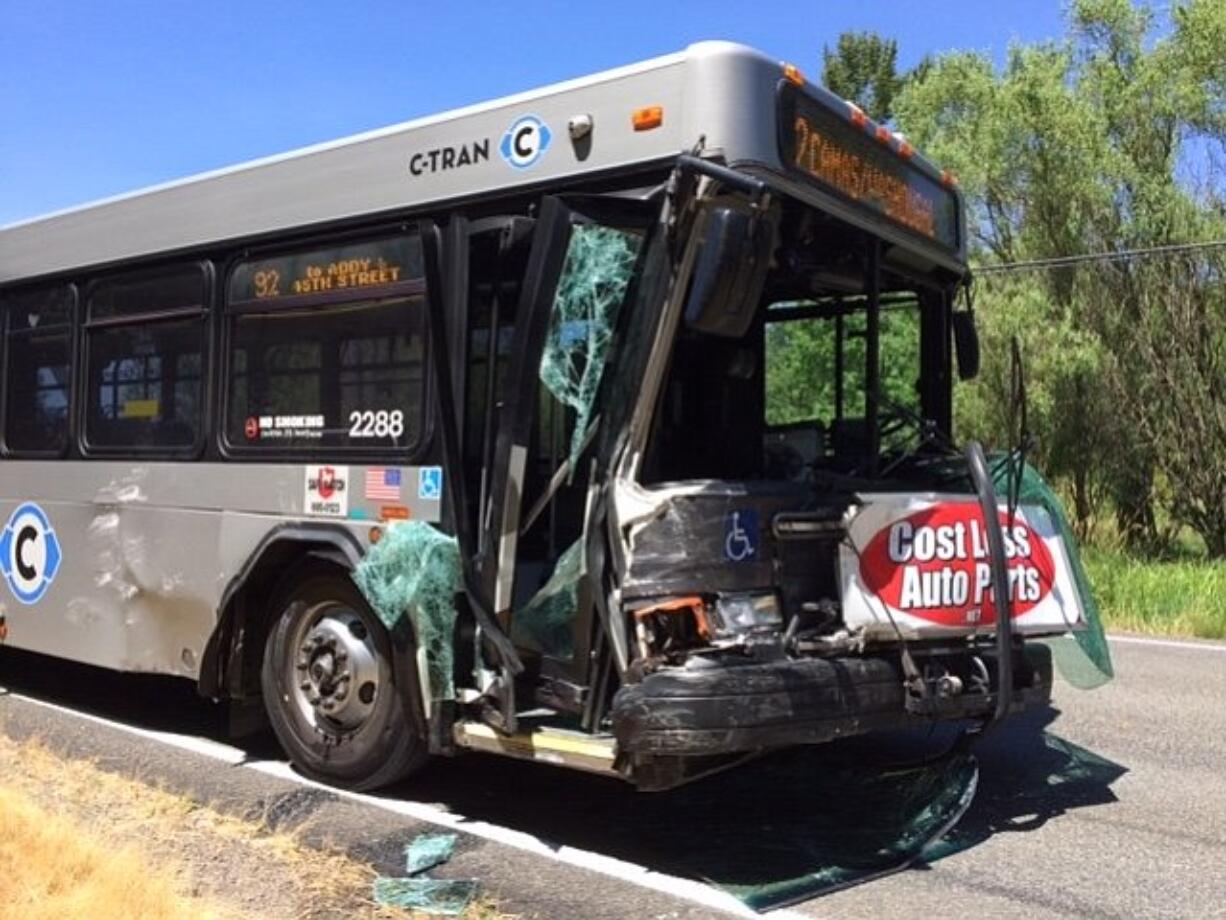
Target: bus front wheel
(329, 688)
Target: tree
(863, 67)
(1080, 146)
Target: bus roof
(721, 93)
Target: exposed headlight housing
(746, 613)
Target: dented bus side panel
(130, 561)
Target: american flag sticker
(382, 484)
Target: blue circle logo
(30, 553)
(525, 142)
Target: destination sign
(829, 151)
(352, 267)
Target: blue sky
(98, 98)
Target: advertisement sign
(923, 562)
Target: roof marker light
(646, 118)
(884, 135)
(858, 118)
(793, 75)
(948, 179)
(905, 150)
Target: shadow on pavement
(795, 824)
(780, 829)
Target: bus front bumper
(731, 708)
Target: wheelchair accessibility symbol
(741, 535)
(430, 483)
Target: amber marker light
(905, 150)
(948, 179)
(793, 75)
(884, 134)
(858, 118)
(646, 118)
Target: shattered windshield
(599, 264)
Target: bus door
(535, 512)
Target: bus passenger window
(144, 354)
(326, 349)
(38, 370)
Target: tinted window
(339, 376)
(145, 341)
(327, 348)
(38, 370)
(147, 294)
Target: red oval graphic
(934, 565)
(327, 482)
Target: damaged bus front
(607, 425)
(727, 512)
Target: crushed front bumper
(728, 708)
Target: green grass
(1170, 598)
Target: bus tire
(329, 687)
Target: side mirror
(966, 344)
(729, 272)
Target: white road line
(1206, 646)
(682, 888)
(209, 748)
(687, 889)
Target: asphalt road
(1110, 805)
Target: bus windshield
(830, 375)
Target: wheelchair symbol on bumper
(741, 535)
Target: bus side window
(326, 349)
(38, 370)
(144, 348)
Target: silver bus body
(137, 559)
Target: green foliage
(800, 366)
(1167, 597)
(1101, 142)
(863, 67)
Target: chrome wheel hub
(335, 671)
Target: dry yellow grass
(79, 841)
(51, 869)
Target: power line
(1120, 255)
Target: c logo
(30, 553)
(525, 142)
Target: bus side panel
(127, 562)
